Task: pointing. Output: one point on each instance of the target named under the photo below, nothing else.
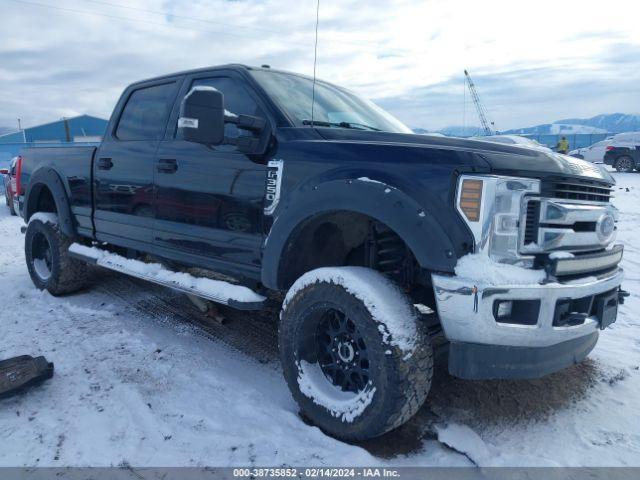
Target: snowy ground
(143, 379)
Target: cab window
(237, 100)
(145, 114)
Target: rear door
(209, 199)
(124, 165)
(595, 153)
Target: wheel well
(41, 200)
(344, 238)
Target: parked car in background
(624, 152)
(593, 153)
(515, 140)
(10, 184)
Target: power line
(137, 20)
(184, 17)
(119, 17)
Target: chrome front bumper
(465, 308)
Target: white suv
(593, 153)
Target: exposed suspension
(386, 252)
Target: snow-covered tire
(624, 164)
(48, 261)
(347, 310)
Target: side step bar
(235, 296)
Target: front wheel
(624, 164)
(354, 355)
(47, 254)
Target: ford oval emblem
(605, 227)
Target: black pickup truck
(253, 187)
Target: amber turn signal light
(471, 199)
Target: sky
(532, 62)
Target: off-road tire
(67, 274)
(624, 164)
(401, 379)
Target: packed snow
(479, 268)
(44, 217)
(561, 255)
(369, 180)
(569, 129)
(156, 272)
(466, 441)
(395, 317)
(344, 405)
(137, 384)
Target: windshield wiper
(354, 125)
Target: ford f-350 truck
(251, 186)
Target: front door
(209, 199)
(124, 165)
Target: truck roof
(229, 66)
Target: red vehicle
(10, 184)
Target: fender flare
(49, 178)
(430, 244)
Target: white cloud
(79, 55)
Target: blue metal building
(82, 129)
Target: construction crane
(487, 125)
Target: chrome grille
(571, 189)
(531, 222)
(564, 224)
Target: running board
(235, 296)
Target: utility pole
(67, 131)
(24, 135)
(487, 125)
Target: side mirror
(4, 171)
(202, 116)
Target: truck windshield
(334, 106)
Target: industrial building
(81, 129)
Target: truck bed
(73, 166)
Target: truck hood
(500, 158)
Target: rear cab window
(145, 114)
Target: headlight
(492, 207)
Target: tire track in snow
(251, 333)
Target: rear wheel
(353, 353)
(624, 164)
(47, 254)
(9, 200)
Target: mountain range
(603, 123)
